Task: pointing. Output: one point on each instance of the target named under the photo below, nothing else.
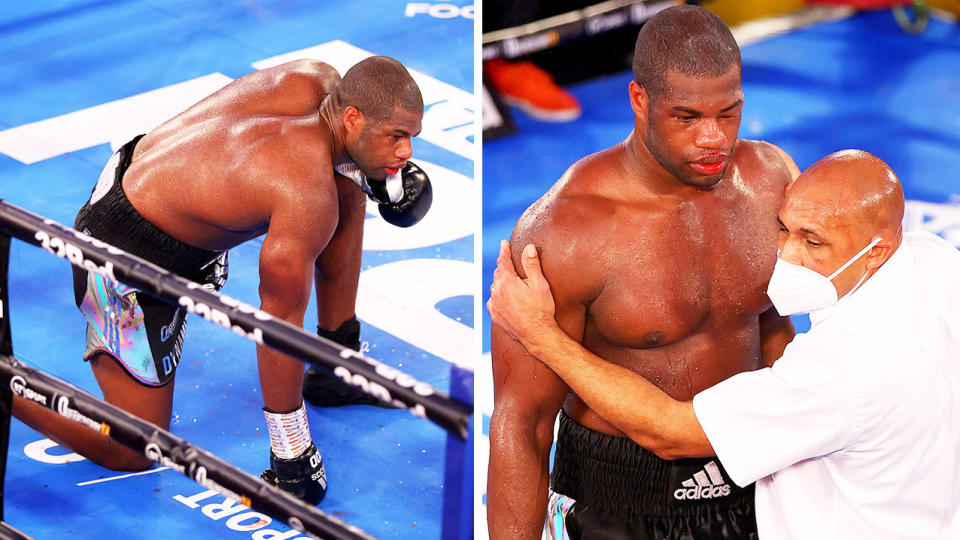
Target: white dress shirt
(855, 431)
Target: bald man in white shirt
(854, 432)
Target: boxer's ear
(353, 119)
(638, 100)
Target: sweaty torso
(210, 177)
(669, 286)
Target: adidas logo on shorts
(705, 484)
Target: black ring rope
(171, 451)
(580, 23)
(372, 377)
(9, 533)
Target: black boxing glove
(304, 476)
(323, 389)
(409, 206)
(403, 198)
(347, 334)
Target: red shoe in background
(532, 89)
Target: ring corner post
(6, 351)
(457, 522)
(6, 343)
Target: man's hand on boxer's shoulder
(524, 308)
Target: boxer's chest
(666, 278)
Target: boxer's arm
(524, 309)
(301, 223)
(775, 333)
(527, 398)
(337, 269)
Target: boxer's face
(382, 148)
(693, 123)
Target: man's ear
(638, 100)
(878, 254)
(353, 119)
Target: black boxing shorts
(606, 487)
(143, 334)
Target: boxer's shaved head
(686, 39)
(377, 86)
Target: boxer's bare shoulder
(213, 175)
(568, 223)
(785, 158)
(293, 89)
(271, 98)
(771, 165)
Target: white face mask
(797, 289)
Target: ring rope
(9, 533)
(587, 22)
(169, 450)
(372, 377)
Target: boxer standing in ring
(658, 251)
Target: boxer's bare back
(214, 175)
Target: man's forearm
(517, 482)
(645, 413)
(337, 269)
(336, 301)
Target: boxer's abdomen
(681, 369)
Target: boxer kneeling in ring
(258, 157)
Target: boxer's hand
(524, 308)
